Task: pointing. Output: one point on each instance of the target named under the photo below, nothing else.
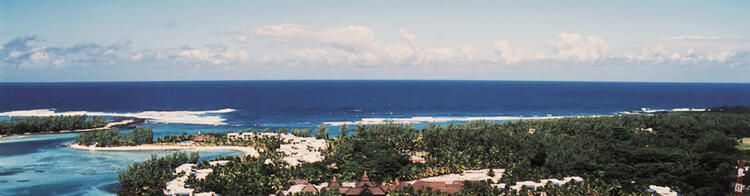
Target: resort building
(243, 136)
(451, 183)
(661, 191)
(298, 150)
(199, 137)
(361, 187)
(541, 183)
(177, 186)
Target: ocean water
(41, 165)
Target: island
(27, 125)
(642, 153)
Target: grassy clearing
(744, 144)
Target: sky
(648, 41)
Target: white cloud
(575, 47)
(690, 37)
(692, 50)
(354, 45)
(27, 52)
(136, 57)
(410, 38)
(507, 53)
(39, 56)
(14, 54)
(349, 36)
(357, 45)
(240, 38)
(213, 55)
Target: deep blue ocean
(41, 165)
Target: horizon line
(446, 80)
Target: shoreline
(443, 119)
(156, 147)
(110, 125)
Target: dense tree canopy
(33, 124)
(139, 135)
(693, 153)
(149, 177)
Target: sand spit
(109, 125)
(152, 147)
(208, 117)
(105, 127)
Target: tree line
(35, 124)
(690, 152)
(113, 137)
(149, 177)
(693, 153)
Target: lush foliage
(173, 139)
(300, 132)
(731, 109)
(691, 152)
(321, 132)
(140, 135)
(149, 177)
(485, 189)
(220, 139)
(381, 150)
(33, 124)
(264, 175)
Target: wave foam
(185, 117)
(427, 119)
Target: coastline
(110, 125)
(153, 147)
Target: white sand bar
(208, 117)
(427, 119)
(151, 147)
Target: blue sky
(673, 41)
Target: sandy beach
(151, 147)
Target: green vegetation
(264, 175)
(693, 153)
(321, 132)
(344, 130)
(690, 152)
(149, 177)
(220, 139)
(33, 124)
(731, 109)
(381, 150)
(301, 132)
(140, 135)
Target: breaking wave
(208, 117)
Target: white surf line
(105, 127)
(413, 120)
(429, 119)
(185, 117)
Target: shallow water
(41, 165)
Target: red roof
(309, 188)
(439, 186)
(364, 181)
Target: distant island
(60, 124)
(663, 152)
